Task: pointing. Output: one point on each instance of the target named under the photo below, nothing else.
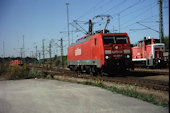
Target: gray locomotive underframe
(85, 62)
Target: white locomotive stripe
(142, 59)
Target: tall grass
(131, 92)
(19, 72)
(3, 68)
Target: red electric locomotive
(101, 52)
(16, 62)
(148, 52)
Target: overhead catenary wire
(139, 15)
(89, 10)
(109, 9)
(133, 5)
(142, 20)
(114, 7)
(130, 6)
(139, 9)
(125, 9)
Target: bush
(50, 76)
(57, 61)
(20, 72)
(34, 73)
(17, 72)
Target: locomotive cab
(117, 52)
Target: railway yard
(153, 82)
(111, 57)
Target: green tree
(57, 61)
(166, 42)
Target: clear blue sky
(45, 19)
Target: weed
(3, 69)
(50, 76)
(131, 92)
(34, 73)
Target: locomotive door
(94, 49)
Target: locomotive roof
(148, 38)
(98, 33)
(88, 37)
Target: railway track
(152, 71)
(150, 84)
(130, 78)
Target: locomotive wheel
(123, 70)
(87, 69)
(93, 71)
(102, 73)
(75, 68)
(71, 68)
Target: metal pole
(36, 51)
(23, 47)
(160, 22)
(3, 49)
(39, 54)
(21, 52)
(61, 47)
(68, 24)
(50, 54)
(57, 50)
(62, 51)
(119, 22)
(32, 54)
(43, 52)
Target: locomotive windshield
(115, 40)
(156, 41)
(121, 40)
(109, 40)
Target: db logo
(77, 52)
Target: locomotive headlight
(159, 61)
(128, 56)
(107, 57)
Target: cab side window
(148, 42)
(95, 41)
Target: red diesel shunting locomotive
(148, 52)
(101, 52)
